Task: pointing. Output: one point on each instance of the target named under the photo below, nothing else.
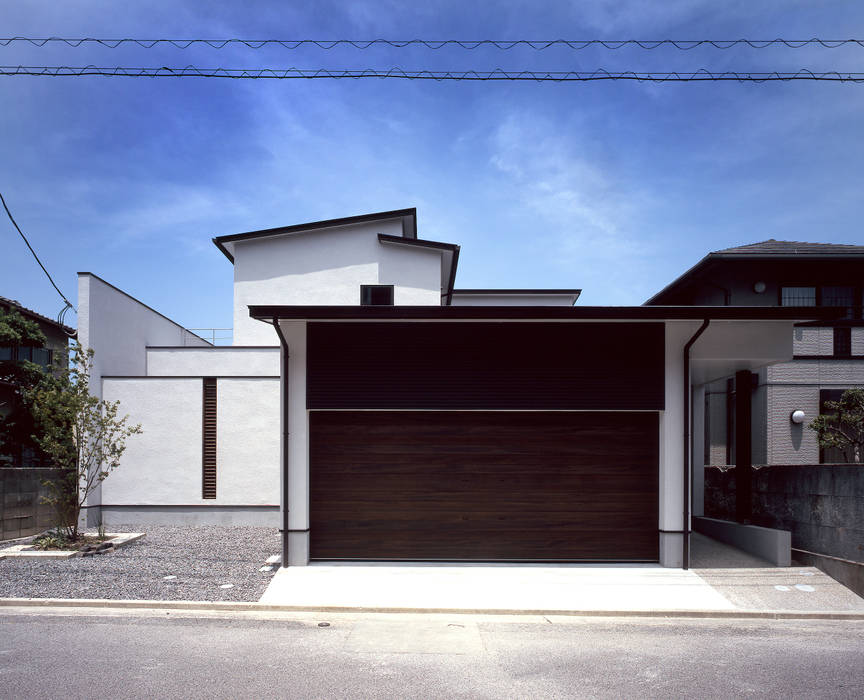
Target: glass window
(42, 356)
(376, 294)
(842, 342)
(5, 354)
(798, 296)
(25, 353)
(839, 296)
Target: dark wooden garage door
(483, 486)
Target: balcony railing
(214, 336)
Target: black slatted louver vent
(208, 452)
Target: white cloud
(589, 217)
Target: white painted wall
(327, 267)
(119, 327)
(248, 436)
(162, 466)
(671, 482)
(214, 362)
(513, 299)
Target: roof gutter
(685, 529)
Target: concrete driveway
(738, 582)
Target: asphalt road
(159, 654)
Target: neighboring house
(372, 410)
(828, 356)
(57, 341)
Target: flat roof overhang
(737, 338)
(544, 313)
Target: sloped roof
(18, 306)
(775, 247)
(408, 217)
(763, 250)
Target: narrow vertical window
(208, 451)
(842, 342)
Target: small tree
(16, 419)
(82, 435)
(843, 428)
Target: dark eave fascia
(550, 313)
(680, 280)
(706, 263)
(220, 241)
(447, 294)
(417, 242)
(562, 292)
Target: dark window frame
(842, 341)
(377, 295)
(853, 312)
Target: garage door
(483, 486)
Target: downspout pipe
(285, 403)
(685, 558)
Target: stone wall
(822, 505)
(21, 510)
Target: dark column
(743, 443)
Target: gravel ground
(202, 558)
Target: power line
(69, 304)
(701, 75)
(435, 44)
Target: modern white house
(373, 411)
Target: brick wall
(822, 505)
(21, 510)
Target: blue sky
(612, 187)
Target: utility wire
(69, 304)
(498, 74)
(505, 45)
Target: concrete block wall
(21, 511)
(822, 505)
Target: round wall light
(760, 287)
(797, 417)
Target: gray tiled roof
(33, 314)
(772, 247)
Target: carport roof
(548, 313)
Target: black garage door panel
(484, 486)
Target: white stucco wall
(214, 362)
(327, 267)
(671, 482)
(298, 426)
(162, 466)
(248, 437)
(119, 327)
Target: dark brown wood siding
(529, 366)
(484, 486)
(208, 451)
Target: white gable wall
(326, 267)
